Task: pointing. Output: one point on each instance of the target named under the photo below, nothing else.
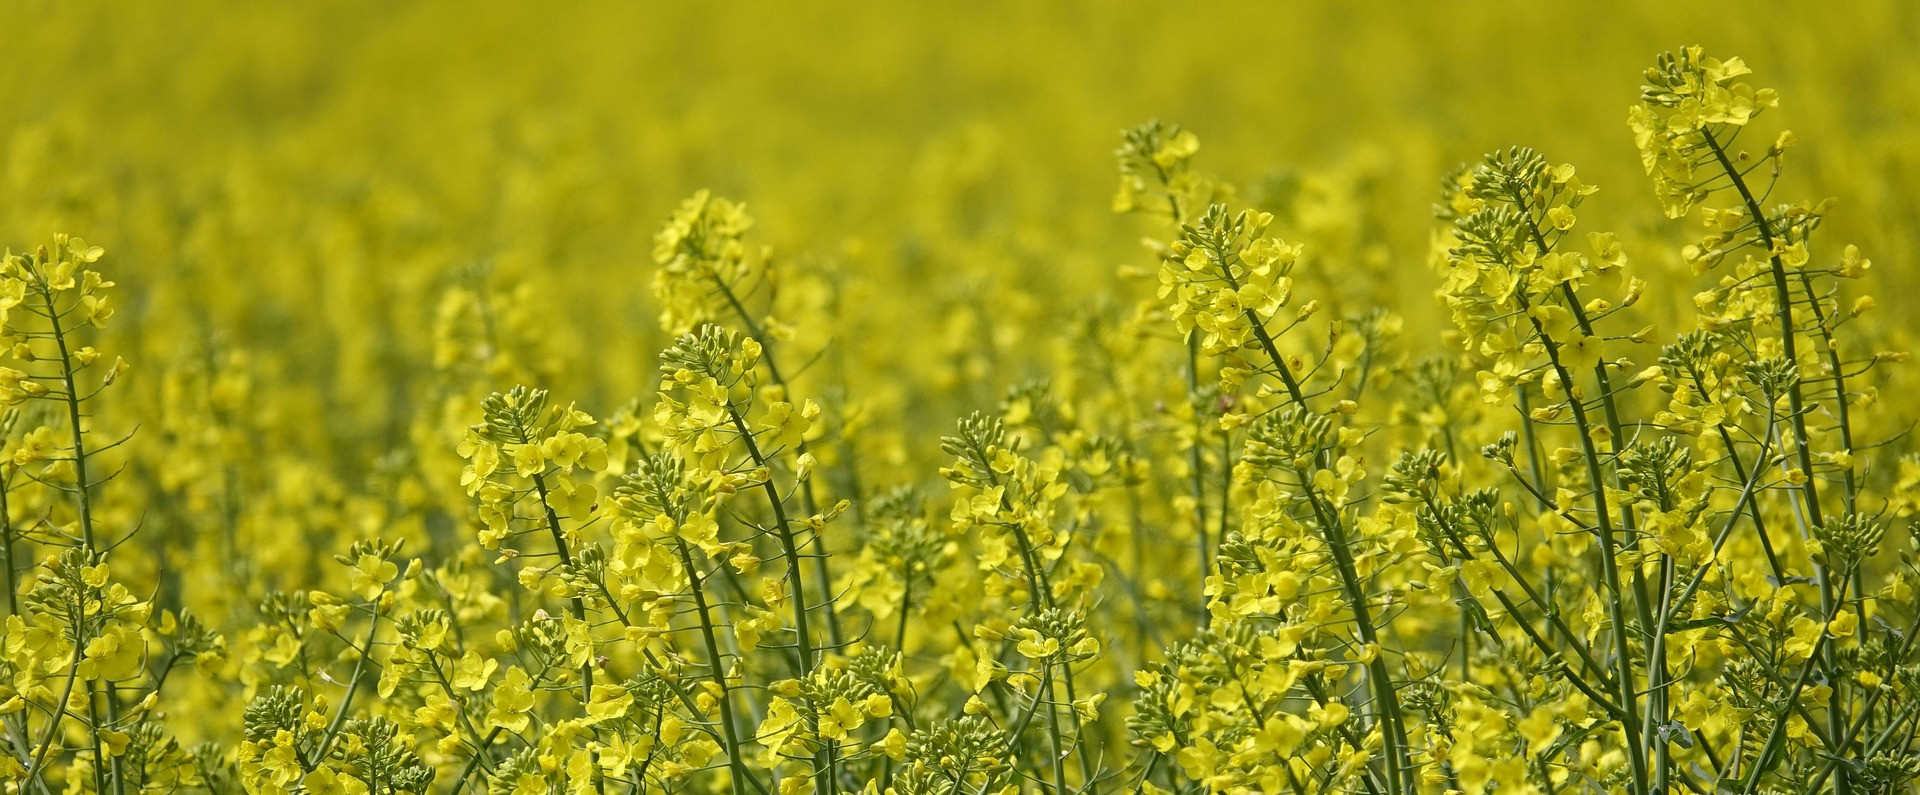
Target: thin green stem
(1609, 568)
(823, 575)
(1386, 697)
(578, 603)
(71, 398)
(715, 671)
(1197, 463)
(784, 531)
(353, 687)
(1783, 298)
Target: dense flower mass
(1602, 492)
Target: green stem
(58, 713)
(72, 401)
(825, 761)
(353, 686)
(673, 684)
(1512, 608)
(7, 539)
(1386, 697)
(784, 530)
(1767, 758)
(1623, 660)
(714, 663)
(1197, 463)
(84, 499)
(578, 604)
(823, 576)
(1810, 490)
(1610, 410)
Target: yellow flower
(574, 449)
(1539, 727)
(512, 700)
(569, 499)
(608, 702)
(788, 425)
(116, 654)
(894, 745)
(437, 712)
(1582, 352)
(95, 576)
(370, 574)
(1843, 624)
(528, 460)
(619, 751)
(474, 671)
(1561, 217)
(1035, 646)
(324, 781)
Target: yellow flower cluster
(1688, 106)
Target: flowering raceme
(1639, 519)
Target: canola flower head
(705, 264)
(1687, 106)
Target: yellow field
(1483, 502)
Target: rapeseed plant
(1640, 520)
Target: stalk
(1834, 760)
(1506, 602)
(1747, 498)
(578, 603)
(6, 543)
(353, 686)
(1784, 311)
(1045, 695)
(784, 530)
(1609, 409)
(479, 751)
(1197, 463)
(1394, 737)
(59, 714)
(460, 706)
(1194, 456)
(1040, 596)
(1766, 760)
(16, 726)
(680, 691)
(1546, 647)
(1739, 471)
(718, 674)
(1810, 490)
(823, 576)
(1529, 437)
(72, 402)
(84, 500)
(825, 761)
(1609, 567)
(1399, 772)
